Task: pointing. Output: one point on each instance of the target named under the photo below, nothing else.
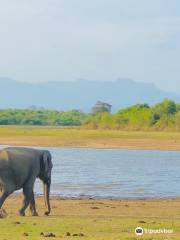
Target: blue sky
(45, 40)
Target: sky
(51, 40)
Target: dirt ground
(145, 144)
(92, 219)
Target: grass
(79, 137)
(95, 219)
(78, 132)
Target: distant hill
(80, 94)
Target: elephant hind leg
(6, 191)
(3, 198)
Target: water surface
(114, 173)
(105, 173)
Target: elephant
(19, 168)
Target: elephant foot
(34, 214)
(47, 213)
(3, 213)
(21, 213)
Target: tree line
(162, 116)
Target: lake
(114, 173)
(103, 173)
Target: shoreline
(40, 198)
(95, 198)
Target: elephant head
(45, 175)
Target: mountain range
(80, 94)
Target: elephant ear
(46, 160)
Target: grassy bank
(93, 219)
(79, 137)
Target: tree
(167, 107)
(136, 116)
(100, 107)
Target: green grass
(77, 132)
(92, 227)
(80, 137)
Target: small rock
(81, 234)
(78, 235)
(95, 207)
(16, 222)
(49, 234)
(25, 234)
(75, 235)
(141, 221)
(68, 234)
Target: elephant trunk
(46, 197)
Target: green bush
(162, 116)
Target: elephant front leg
(28, 199)
(24, 206)
(27, 191)
(33, 206)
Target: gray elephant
(19, 168)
